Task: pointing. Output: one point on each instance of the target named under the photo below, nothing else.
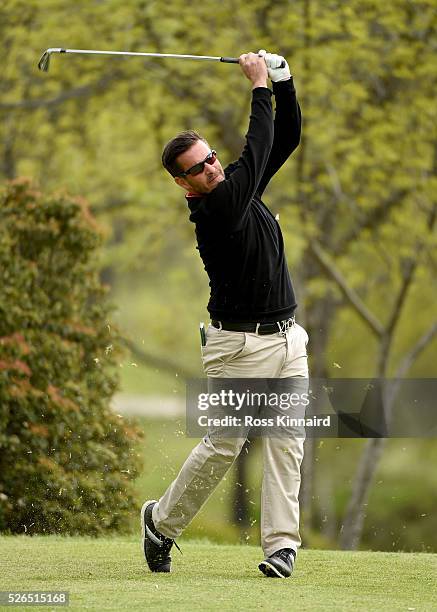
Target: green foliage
(66, 460)
(362, 182)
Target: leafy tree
(66, 460)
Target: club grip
(234, 60)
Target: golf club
(44, 62)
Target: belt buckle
(285, 325)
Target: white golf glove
(273, 62)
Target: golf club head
(44, 62)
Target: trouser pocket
(221, 348)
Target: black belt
(260, 328)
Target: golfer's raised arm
(231, 199)
(287, 129)
(287, 124)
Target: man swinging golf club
(252, 333)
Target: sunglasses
(198, 168)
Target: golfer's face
(210, 176)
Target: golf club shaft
(134, 53)
(44, 61)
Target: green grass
(110, 574)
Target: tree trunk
(352, 528)
(240, 503)
(317, 322)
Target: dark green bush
(66, 460)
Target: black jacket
(239, 240)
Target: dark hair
(175, 147)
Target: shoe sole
(143, 524)
(270, 570)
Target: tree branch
(415, 351)
(70, 94)
(158, 362)
(407, 279)
(369, 221)
(408, 276)
(353, 298)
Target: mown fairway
(110, 574)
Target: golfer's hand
(254, 67)
(273, 62)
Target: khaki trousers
(244, 355)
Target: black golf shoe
(278, 565)
(156, 547)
